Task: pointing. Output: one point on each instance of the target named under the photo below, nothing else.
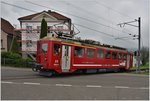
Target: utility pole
(139, 38)
(139, 43)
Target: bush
(14, 59)
(10, 55)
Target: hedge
(15, 60)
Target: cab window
(44, 48)
(56, 49)
(79, 52)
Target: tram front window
(44, 48)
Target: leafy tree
(145, 55)
(43, 28)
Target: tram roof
(81, 43)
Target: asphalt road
(24, 84)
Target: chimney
(49, 11)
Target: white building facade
(31, 25)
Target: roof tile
(6, 26)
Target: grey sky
(106, 12)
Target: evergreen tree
(43, 28)
(15, 45)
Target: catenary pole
(139, 43)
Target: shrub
(14, 59)
(10, 55)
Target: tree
(43, 28)
(145, 55)
(15, 45)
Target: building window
(38, 29)
(29, 29)
(29, 43)
(100, 53)
(108, 54)
(56, 49)
(114, 55)
(79, 52)
(50, 29)
(90, 53)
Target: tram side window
(108, 55)
(114, 55)
(100, 54)
(56, 49)
(79, 52)
(120, 56)
(90, 53)
(44, 48)
(125, 56)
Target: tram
(64, 55)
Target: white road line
(121, 87)
(31, 83)
(143, 88)
(93, 86)
(64, 85)
(68, 85)
(6, 82)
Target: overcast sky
(102, 16)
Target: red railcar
(57, 55)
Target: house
(7, 33)
(31, 24)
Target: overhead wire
(75, 23)
(18, 6)
(80, 8)
(125, 15)
(83, 18)
(36, 11)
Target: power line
(75, 23)
(17, 6)
(113, 9)
(93, 29)
(77, 7)
(89, 20)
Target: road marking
(68, 85)
(121, 87)
(93, 86)
(143, 88)
(6, 82)
(31, 83)
(64, 85)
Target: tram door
(66, 58)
